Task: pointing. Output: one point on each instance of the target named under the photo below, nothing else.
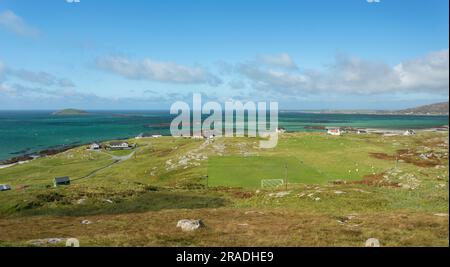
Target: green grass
(147, 190)
(249, 171)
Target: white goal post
(271, 183)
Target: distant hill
(432, 109)
(435, 109)
(70, 112)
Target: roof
(62, 179)
(118, 143)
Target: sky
(141, 54)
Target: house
(334, 131)
(119, 145)
(94, 146)
(281, 130)
(5, 187)
(156, 136)
(59, 181)
(360, 131)
(409, 132)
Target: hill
(341, 191)
(437, 108)
(70, 112)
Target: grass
(137, 202)
(248, 172)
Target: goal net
(271, 183)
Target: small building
(59, 181)
(5, 187)
(119, 145)
(409, 132)
(334, 131)
(156, 136)
(360, 131)
(94, 146)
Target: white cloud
(10, 21)
(426, 74)
(148, 69)
(430, 71)
(41, 78)
(281, 60)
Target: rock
(372, 242)
(72, 242)
(86, 222)
(254, 212)
(81, 201)
(46, 241)
(109, 201)
(339, 192)
(190, 225)
(441, 214)
(317, 199)
(279, 194)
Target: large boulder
(190, 225)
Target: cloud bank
(148, 69)
(283, 60)
(352, 75)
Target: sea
(28, 132)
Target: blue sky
(106, 54)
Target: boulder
(190, 225)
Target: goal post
(271, 183)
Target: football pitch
(247, 172)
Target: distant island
(433, 109)
(70, 112)
(441, 108)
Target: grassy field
(341, 191)
(248, 172)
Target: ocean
(27, 132)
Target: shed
(58, 181)
(5, 187)
(94, 146)
(334, 131)
(409, 132)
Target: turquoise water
(25, 132)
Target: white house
(94, 146)
(360, 131)
(334, 131)
(409, 132)
(119, 145)
(156, 136)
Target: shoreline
(10, 162)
